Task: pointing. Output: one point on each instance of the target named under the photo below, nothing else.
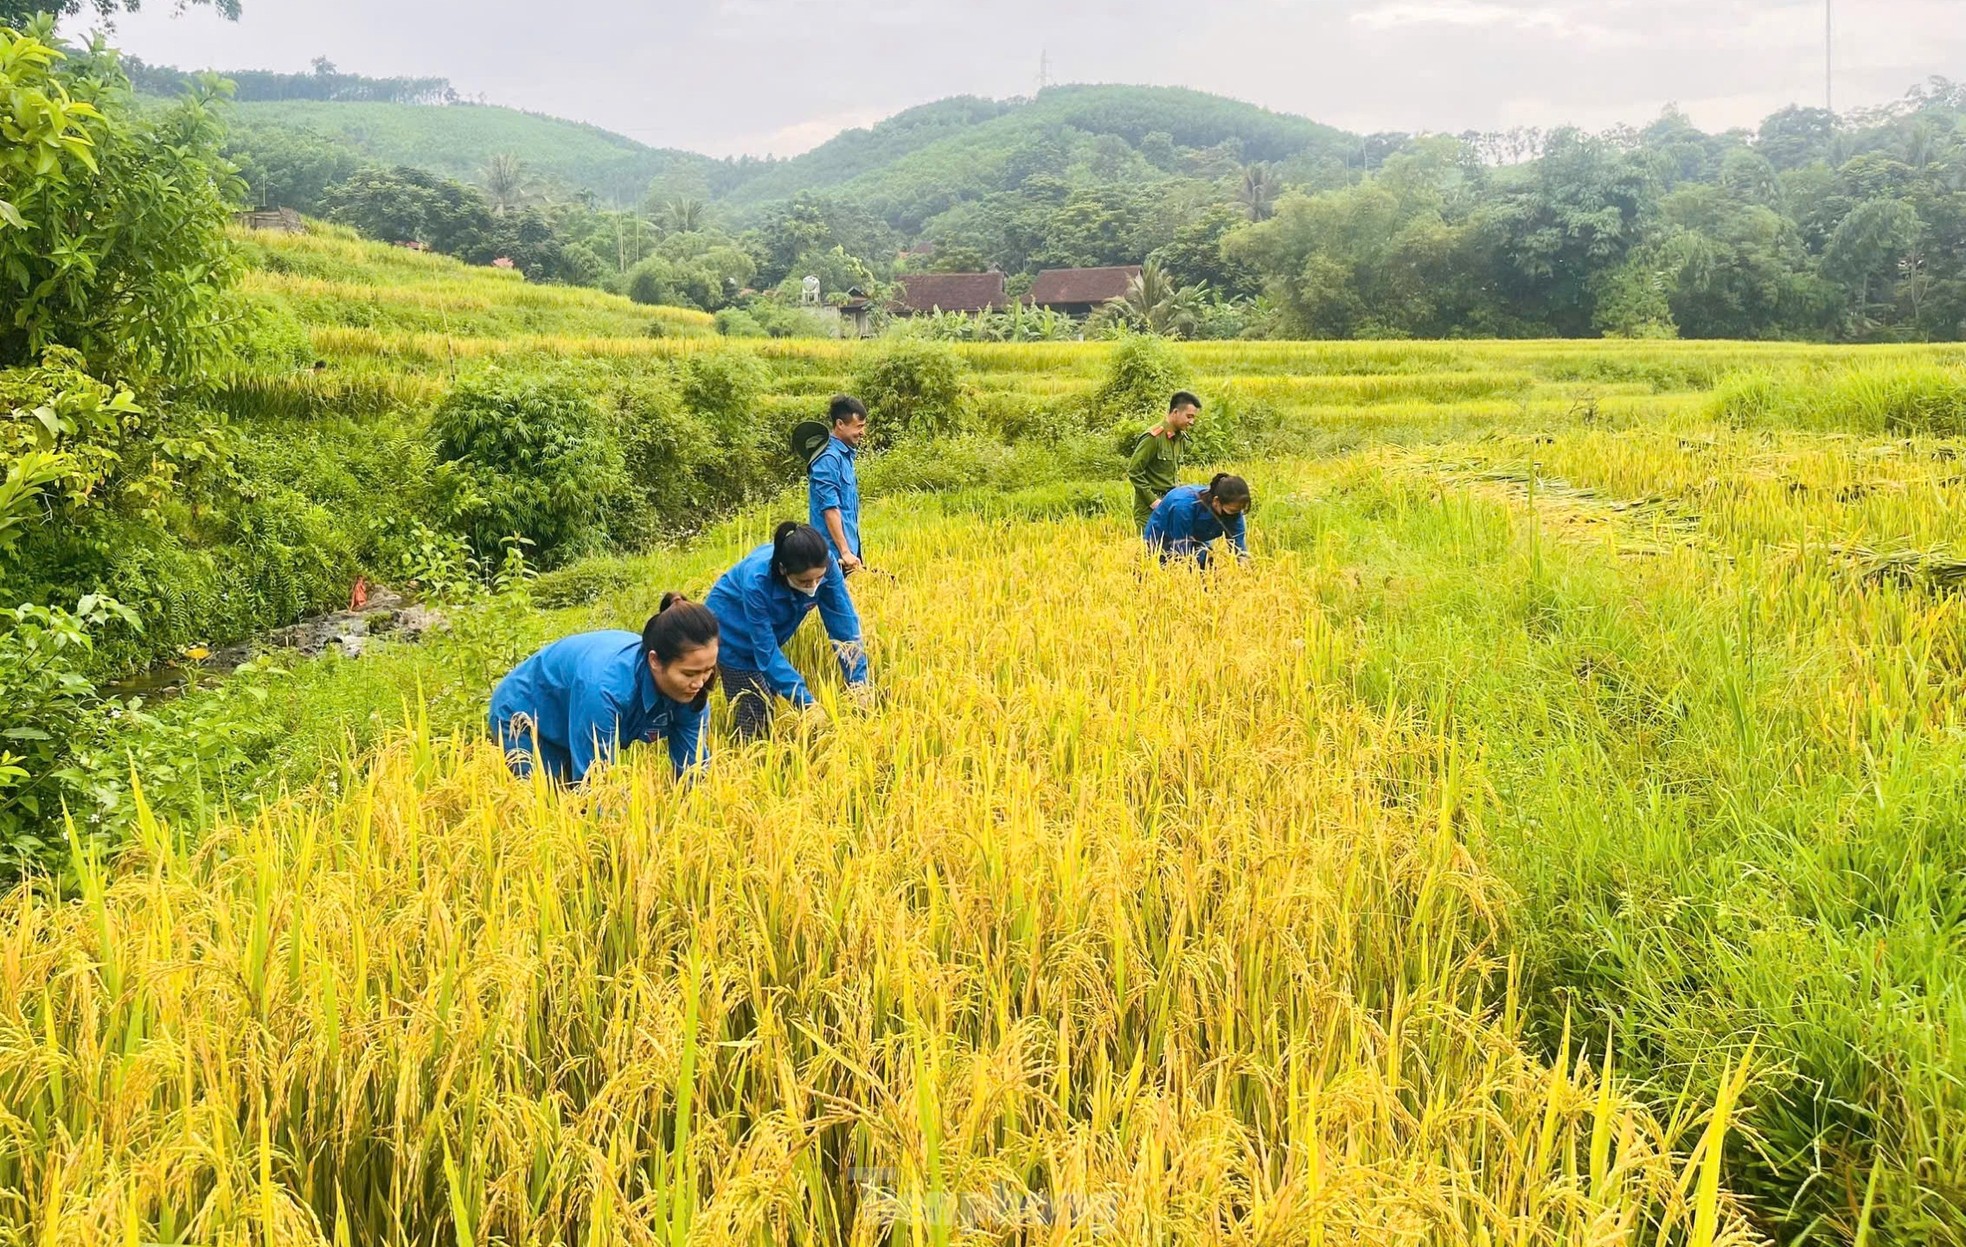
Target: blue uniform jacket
(831, 484)
(1182, 524)
(586, 695)
(757, 613)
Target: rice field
(1071, 941)
(1554, 836)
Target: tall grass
(1715, 683)
(1083, 935)
(1926, 397)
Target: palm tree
(685, 215)
(507, 184)
(1258, 192)
(1155, 303)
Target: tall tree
(507, 185)
(686, 215)
(1258, 191)
(1155, 303)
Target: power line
(1829, 56)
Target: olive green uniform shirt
(1152, 468)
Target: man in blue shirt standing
(833, 491)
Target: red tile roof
(1082, 285)
(951, 292)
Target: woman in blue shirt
(760, 603)
(1189, 517)
(582, 698)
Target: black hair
(845, 407)
(1183, 399)
(677, 627)
(796, 548)
(1227, 489)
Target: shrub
(44, 653)
(695, 451)
(112, 238)
(784, 321)
(913, 388)
(735, 322)
(655, 281)
(1141, 374)
(1231, 424)
(527, 456)
(723, 387)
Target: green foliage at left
(113, 219)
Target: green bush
(655, 281)
(1141, 374)
(735, 322)
(112, 238)
(531, 457)
(1231, 424)
(913, 388)
(723, 387)
(781, 320)
(271, 337)
(44, 655)
(697, 447)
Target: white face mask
(811, 593)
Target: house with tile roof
(922, 293)
(1081, 291)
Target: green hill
(926, 160)
(906, 169)
(459, 139)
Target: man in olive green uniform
(1157, 456)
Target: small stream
(385, 613)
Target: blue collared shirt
(1182, 524)
(833, 485)
(589, 694)
(757, 612)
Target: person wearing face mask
(1189, 518)
(760, 603)
(582, 698)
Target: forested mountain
(456, 140)
(926, 159)
(1813, 225)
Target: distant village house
(923, 293)
(851, 318)
(1081, 291)
(284, 220)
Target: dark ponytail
(677, 628)
(796, 548)
(1229, 490)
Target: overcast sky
(778, 76)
